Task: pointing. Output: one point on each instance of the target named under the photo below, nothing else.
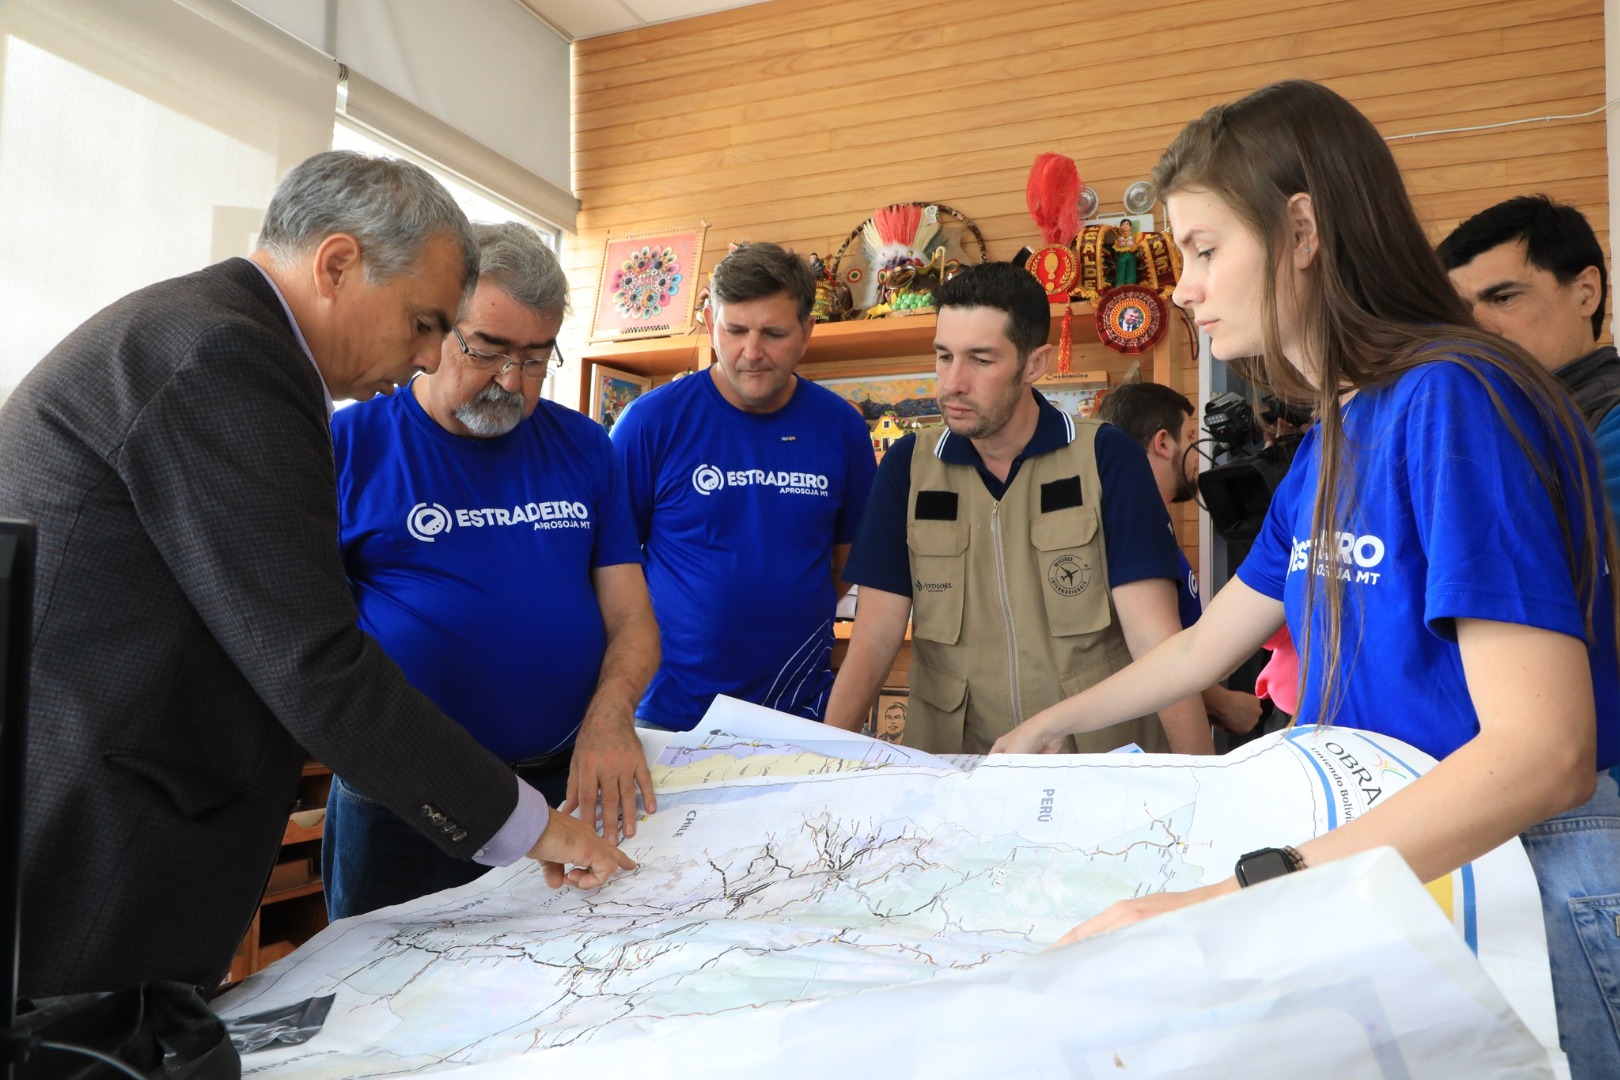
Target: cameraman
(1164, 424)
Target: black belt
(544, 763)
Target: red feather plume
(1053, 195)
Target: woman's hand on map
(1028, 738)
(570, 851)
(1127, 912)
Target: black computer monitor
(17, 547)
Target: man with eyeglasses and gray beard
(489, 545)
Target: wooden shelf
(887, 338)
(299, 912)
(307, 889)
(862, 341)
(890, 337)
(272, 951)
(298, 834)
(648, 356)
(893, 345)
(844, 629)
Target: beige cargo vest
(1010, 605)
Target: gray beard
(493, 413)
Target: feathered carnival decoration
(898, 241)
(1053, 197)
(904, 253)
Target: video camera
(1229, 418)
(1238, 492)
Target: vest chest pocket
(1072, 572)
(938, 551)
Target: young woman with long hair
(1440, 549)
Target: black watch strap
(1267, 863)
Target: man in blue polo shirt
(1031, 549)
(488, 542)
(1164, 425)
(746, 483)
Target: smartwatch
(1267, 863)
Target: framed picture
(612, 391)
(1077, 394)
(908, 397)
(648, 284)
(891, 405)
(888, 720)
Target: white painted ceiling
(590, 18)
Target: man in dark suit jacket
(193, 630)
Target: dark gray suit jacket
(193, 629)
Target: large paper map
(786, 865)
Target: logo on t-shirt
(707, 480)
(1356, 557)
(426, 521)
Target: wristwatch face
(1263, 866)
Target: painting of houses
(887, 432)
(908, 397)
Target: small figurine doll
(1125, 253)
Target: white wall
(115, 171)
(485, 67)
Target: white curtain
(139, 140)
(375, 108)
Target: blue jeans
(371, 858)
(1576, 856)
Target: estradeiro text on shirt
(1356, 557)
(708, 479)
(429, 521)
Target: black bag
(161, 1030)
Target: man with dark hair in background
(1164, 424)
(1533, 271)
(746, 483)
(194, 633)
(1030, 548)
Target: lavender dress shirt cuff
(520, 833)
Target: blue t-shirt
(1140, 541)
(470, 560)
(739, 513)
(1607, 438)
(1187, 592)
(1450, 522)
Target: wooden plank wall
(793, 120)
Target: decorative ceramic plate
(1131, 319)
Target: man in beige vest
(1031, 549)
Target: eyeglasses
(499, 363)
